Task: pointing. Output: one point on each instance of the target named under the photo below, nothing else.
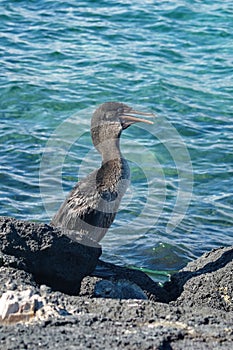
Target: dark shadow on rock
(49, 255)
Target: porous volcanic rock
(207, 281)
(49, 255)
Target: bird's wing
(85, 208)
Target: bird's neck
(113, 176)
(106, 139)
(110, 150)
(114, 166)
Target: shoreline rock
(195, 312)
(207, 281)
(51, 256)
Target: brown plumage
(91, 206)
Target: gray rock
(120, 289)
(207, 281)
(49, 255)
(152, 289)
(122, 324)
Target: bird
(91, 206)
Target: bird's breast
(112, 179)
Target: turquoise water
(60, 59)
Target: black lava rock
(206, 281)
(51, 256)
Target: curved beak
(128, 118)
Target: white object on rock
(16, 306)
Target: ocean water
(60, 59)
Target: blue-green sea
(60, 59)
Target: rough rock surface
(51, 257)
(207, 281)
(198, 316)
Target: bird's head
(111, 118)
